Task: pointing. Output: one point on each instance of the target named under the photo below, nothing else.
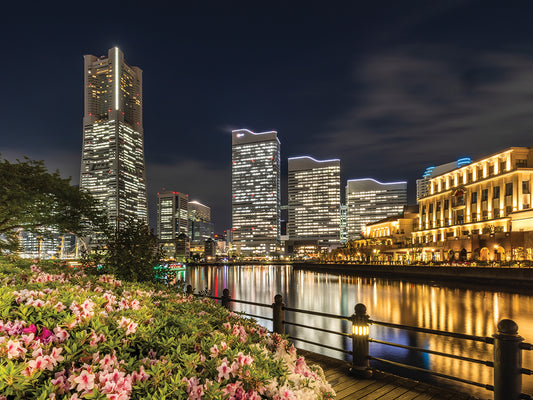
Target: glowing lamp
(359, 330)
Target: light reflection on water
(470, 311)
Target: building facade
(314, 200)
(172, 215)
(200, 225)
(368, 200)
(423, 184)
(112, 165)
(255, 187)
(480, 211)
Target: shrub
(65, 335)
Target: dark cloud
(420, 106)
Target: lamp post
(360, 332)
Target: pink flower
(223, 370)
(56, 356)
(85, 381)
(45, 334)
(30, 329)
(14, 349)
(127, 323)
(61, 334)
(40, 363)
(213, 351)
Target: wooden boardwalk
(381, 386)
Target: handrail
(317, 313)
(317, 329)
(507, 344)
(435, 332)
(437, 353)
(488, 387)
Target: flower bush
(65, 335)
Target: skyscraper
(200, 225)
(368, 200)
(173, 223)
(314, 199)
(112, 165)
(255, 187)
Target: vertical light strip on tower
(117, 77)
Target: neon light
(463, 161)
(253, 133)
(370, 179)
(315, 160)
(116, 79)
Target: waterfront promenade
(381, 386)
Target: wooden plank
(382, 386)
(380, 393)
(347, 390)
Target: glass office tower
(255, 188)
(314, 199)
(368, 200)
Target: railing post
(360, 331)
(278, 315)
(507, 361)
(189, 289)
(225, 298)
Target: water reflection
(472, 311)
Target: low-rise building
(481, 211)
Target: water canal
(474, 311)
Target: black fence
(506, 362)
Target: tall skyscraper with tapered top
(255, 187)
(112, 165)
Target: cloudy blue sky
(388, 87)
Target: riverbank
(509, 277)
(506, 277)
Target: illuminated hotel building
(422, 185)
(481, 210)
(368, 200)
(255, 188)
(112, 165)
(314, 199)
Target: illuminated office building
(112, 165)
(255, 187)
(200, 225)
(422, 185)
(314, 199)
(172, 215)
(173, 223)
(481, 211)
(368, 200)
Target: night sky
(389, 87)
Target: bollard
(189, 289)
(507, 361)
(278, 315)
(360, 331)
(225, 298)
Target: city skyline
(389, 89)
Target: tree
(132, 252)
(35, 200)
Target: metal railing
(507, 354)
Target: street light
(360, 332)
